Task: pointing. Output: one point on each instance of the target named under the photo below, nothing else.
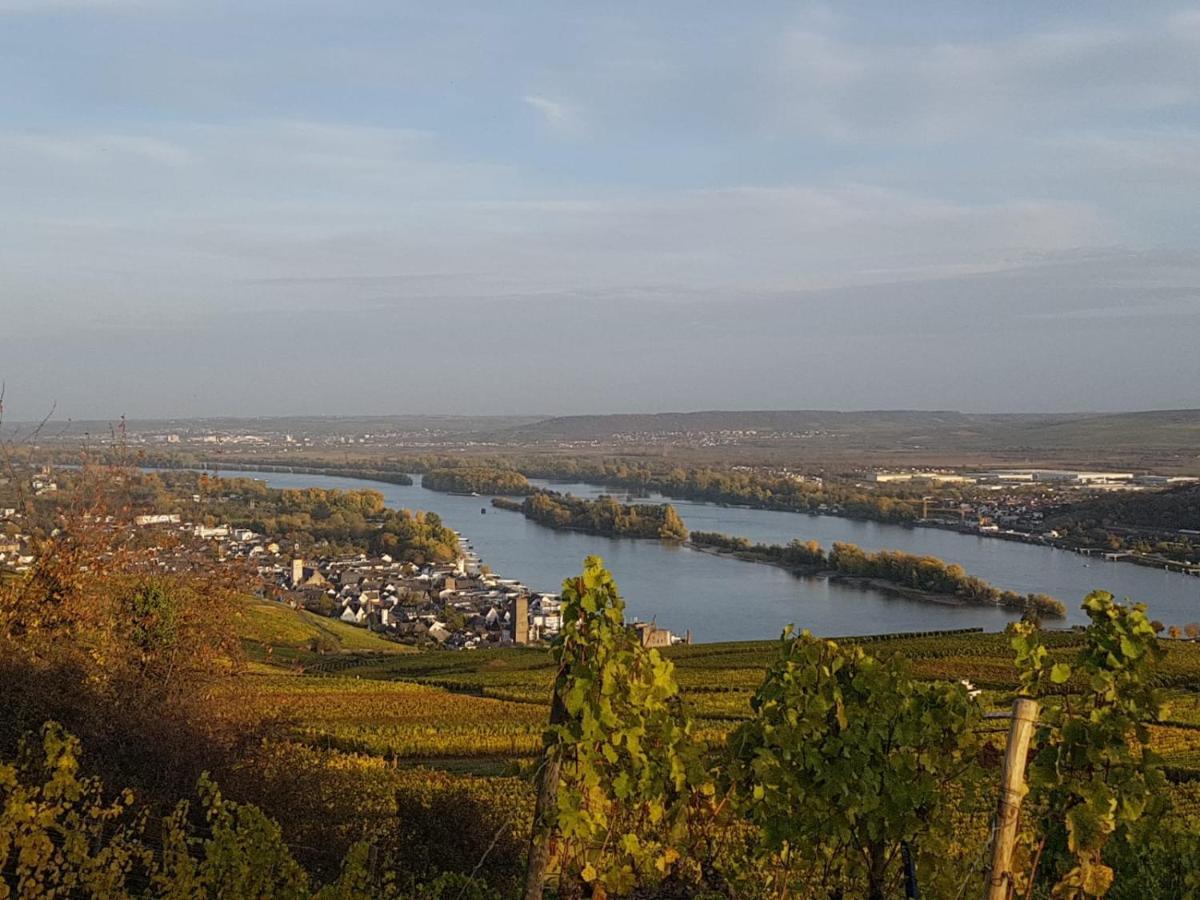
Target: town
(458, 605)
(1034, 506)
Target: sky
(282, 207)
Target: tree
(847, 758)
(98, 638)
(672, 527)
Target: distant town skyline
(268, 208)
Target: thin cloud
(557, 115)
(90, 148)
(50, 7)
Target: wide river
(722, 599)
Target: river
(722, 599)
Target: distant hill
(1171, 429)
(336, 425)
(1084, 437)
(771, 421)
(1154, 429)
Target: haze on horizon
(280, 208)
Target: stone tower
(520, 620)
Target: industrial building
(1053, 476)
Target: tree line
(735, 486)
(476, 480)
(922, 573)
(604, 515)
(746, 487)
(1148, 523)
(328, 520)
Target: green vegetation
(620, 760)
(927, 573)
(795, 553)
(1141, 523)
(1169, 509)
(604, 515)
(332, 520)
(742, 487)
(1091, 779)
(921, 574)
(476, 480)
(845, 759)
(61, 836)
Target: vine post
(1012, 790)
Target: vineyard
(398, 720)
(469, 712)
(739, 767)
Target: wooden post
(1012, 790)
(544, 808)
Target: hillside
(1153, 429)
(277, 634)
(1169, 510)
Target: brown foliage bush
(120, 636)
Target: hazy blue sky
(249, 207)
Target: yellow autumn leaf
(665, 860)
(1097, 879)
